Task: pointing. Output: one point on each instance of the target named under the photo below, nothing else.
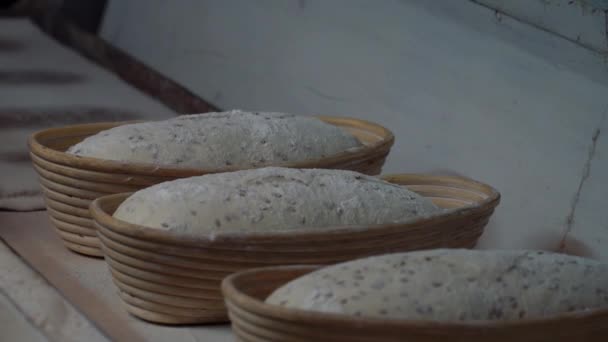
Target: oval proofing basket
(175, 279)
(254, 320)
(70, 183)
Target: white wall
(583, 22)
(462, 89)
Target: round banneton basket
(168, 278)
(70, 183)
(254, 320)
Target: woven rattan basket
(254, 320)
(175, 279)
(69, 182)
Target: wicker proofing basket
(70, 183)
(175, 279)
(254, 320)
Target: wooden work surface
(84, 283)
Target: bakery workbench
(48, 291)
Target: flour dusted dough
(272, 198)
(223, 139)
(452, 285)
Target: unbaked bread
(216, 140)
(452, 285)
(272, 198)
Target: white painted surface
(463, 90)
(578, 21)
(590, 220)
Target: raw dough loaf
(452, 285)
(272, 198)
(223, 139)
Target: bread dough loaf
(270, 199)
(452, 285)
(216, 140)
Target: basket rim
(147, 169)
(232, 292)
(104, 218)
